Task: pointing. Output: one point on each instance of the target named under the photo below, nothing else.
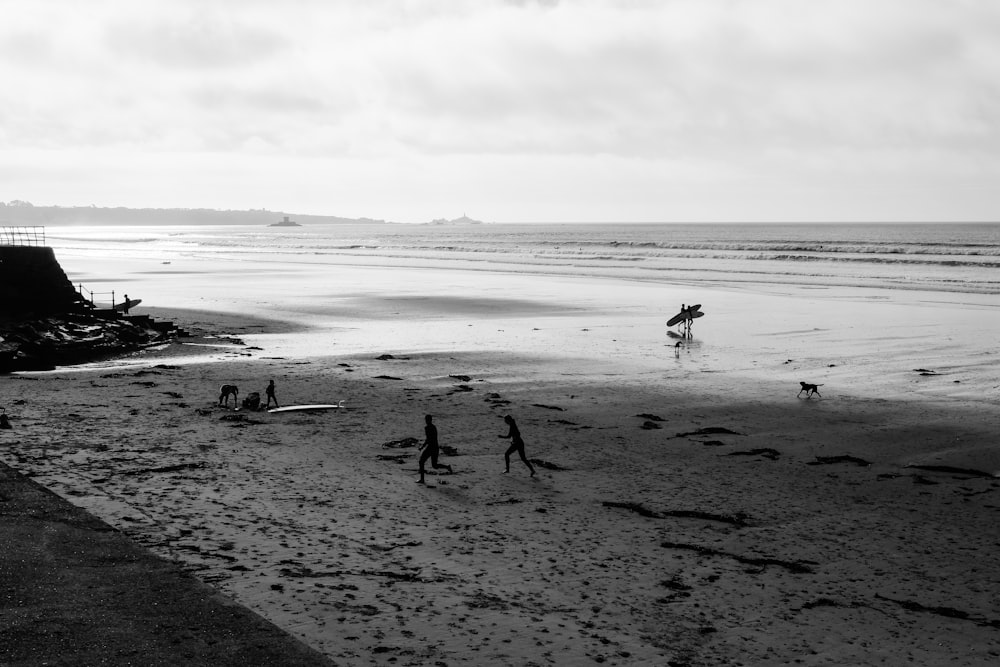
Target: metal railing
(88, 296)
(22, 236)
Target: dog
(227, 391)
(810, 389)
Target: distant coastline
(20, 213)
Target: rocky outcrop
(44, 322)
(75, 338)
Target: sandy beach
(483, 216)
(690, 507)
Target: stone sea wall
(33, 283)
(44, 322)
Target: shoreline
(689, 507)
(898, 257)
(221, 323)
(507, 569)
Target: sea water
(932, 257)
(859, 305)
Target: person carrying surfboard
(687, 315)
(430, 449)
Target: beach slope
(76, 591)
(669, 523)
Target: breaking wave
(958, 257)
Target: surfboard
(125, 305)
(131, 303)
(302, 408)
(692, 312)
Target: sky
(507, 110)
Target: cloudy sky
(530, 110)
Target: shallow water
(311, 494)
(858, 306)
(959, 257)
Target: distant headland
(22, 213)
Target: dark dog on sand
(810, 389)
(227, 391)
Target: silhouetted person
(688, 317)
(228, 390)
(677, 348)
(270, 395)
(430, 448)
(125, 305)
(516, 445)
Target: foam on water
(953, 258)
(869, 305)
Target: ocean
(300, 517)
(932, 257)
(858, 306)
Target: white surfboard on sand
(302, 408)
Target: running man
(270, 395)
(430, 449)
(516, 445)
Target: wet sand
(690, 508)
(698, 519)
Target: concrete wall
(33, 283)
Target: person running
(516, 445)
(430, 449)
(270, 395)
